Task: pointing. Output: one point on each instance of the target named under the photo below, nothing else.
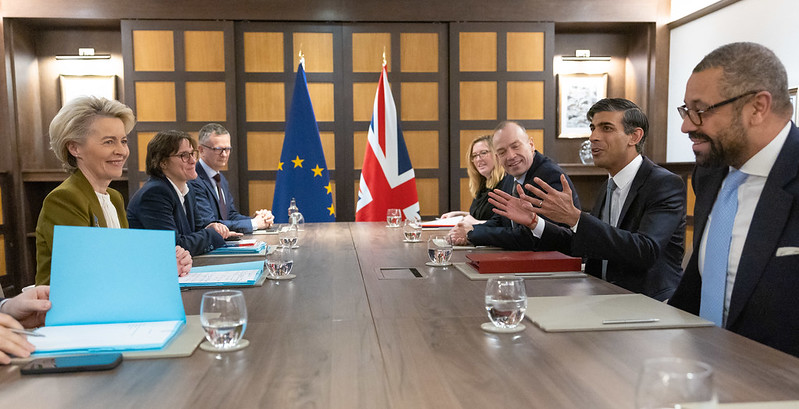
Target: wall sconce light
(584, 55)
(84, 54)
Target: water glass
(675, 383)
(223, 315)
(439, 250)
(412, 230)
(393, 217)
(279, 262)
(506, 301)
(288, 236)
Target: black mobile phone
(233, 238)
(75, 363)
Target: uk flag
(387, 177)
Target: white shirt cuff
(574, 228)
(538, 230)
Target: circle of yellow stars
(317, 171)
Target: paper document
(220, 275)
(100, 337)
(448, 222)
(234, 276)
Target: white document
(448, 222)
(105, 337)
(234, 276)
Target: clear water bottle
(293, 207)
(296, 218)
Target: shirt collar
(763, 161)
(208, 171)
(521, 179)
(626, 175)
(181, 193)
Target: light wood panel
(142, 139)
(322, 99)
(153, 50)
(525, 100)
(367, 51)
(263, 52)
(465, 195)
(329, 148)
(537, 135)
(204, 51)
(1, 205)
(318, 50)
(419, 52)
(691, 197)
(263, 150)
(466, 138)
(266, 101)
(419, 101)
(3, 269)
(261, 194)
(205, 101)
(422, 148)
(478, 100)
(155, 101)
(359, 150)
(478, 52)
(363, 100)
(525, 51)
(427, 190)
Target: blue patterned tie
(717, 249)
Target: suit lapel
(771, 214)
(98, 217)
(638, 182)
(209, 185)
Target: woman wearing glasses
(89, 137)
(484, 175)
(165, 202)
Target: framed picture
(792, 94)
(73, 86)
(576, 94)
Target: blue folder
(250, 265)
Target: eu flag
(302, 172)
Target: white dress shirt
(109, 211)
(181, 193)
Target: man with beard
(744, 271)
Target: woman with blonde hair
(485, 173)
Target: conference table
(346, 334)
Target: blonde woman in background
(484, 175)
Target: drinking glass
(288, 236)
(412, 230)
(223, 315)
(279, 262)
(439, 250)
(586, 157)
(393, 217)
(675, 383)
(506, 301)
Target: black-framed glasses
(695, 115)
(218, 150)
(482, 154)
(185, 156)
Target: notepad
(438, 223)
(111, 290)
(221, 275)
(607, 313)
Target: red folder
(523, 262)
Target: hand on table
(30, 307)
(184, 261)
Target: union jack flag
(387, 177)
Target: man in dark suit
(214, 200)
(635, 234)
(744, 271)
(523, 164)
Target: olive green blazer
(72, 203)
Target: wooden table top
(341, 335)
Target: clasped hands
(263, 219)
(555, 205)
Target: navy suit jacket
(765, 297)
(156, 206)
(208, 207)
(645, 251)
(498, 231)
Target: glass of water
(279, 262)
(223, 315)
(675, 383)
(439, 250)
(288, 236)
(412, 230)
(393, 217)
(506, 301)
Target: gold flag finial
(384, 56)
(302, 56)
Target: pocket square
(787, 251)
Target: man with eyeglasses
(522, 163)
(744, 271)
(214, 200)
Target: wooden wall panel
(1, 207)
(368, 50)
(478, 101)
(465, 196)
(205, 101)
(153, 50)
(419, 52)
(359, 148)
(421, 101)
(155, 101)
(205, 50)
(263, 150)
(261, 194)
(263, 52)
(537, 135)
(363, 99)
(427, 189)
(525, 100)
(423, 153)
(478, 52)
(525, 51)
(323, 101)
(3, 268)
(142, 139)
(329, 148)
(266, 101)
(318, 51)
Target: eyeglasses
(218, 150)
(481, 155)
(185, 156)
(695, 115)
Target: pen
(25, 332)
(631, 321)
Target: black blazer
(156, 206)
(645, 251)
(765, 298)
(498, 231)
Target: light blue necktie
(606, 217)
(717, 249)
